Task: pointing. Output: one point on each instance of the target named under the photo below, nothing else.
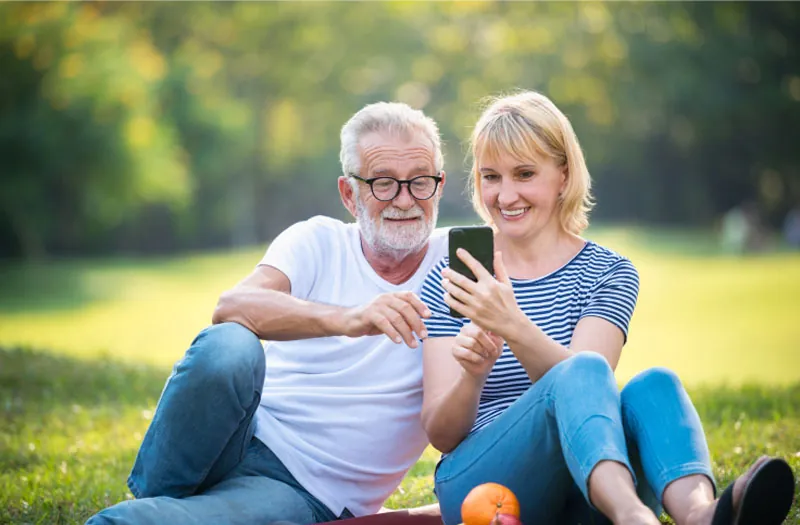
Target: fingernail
(424, 334)
(397, 340)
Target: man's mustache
(396, 213)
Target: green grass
(72, 416)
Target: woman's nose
(507, 195)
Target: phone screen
(479, 242)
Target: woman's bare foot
(704, 515)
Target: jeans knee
(589, 365)
(651, 381)
(585, 371)
(101, 519)
(139, 511)
(225, 350)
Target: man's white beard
(393, 239)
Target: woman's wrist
(521, 331)
(473, 382)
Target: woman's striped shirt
(596, 282)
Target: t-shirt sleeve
(440, 323)
(613, 297)
(295, 252)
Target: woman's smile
(514, 214)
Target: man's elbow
(223, 312)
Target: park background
(150, 151)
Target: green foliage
(83, 140)
(162, 126)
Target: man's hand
(398, 315)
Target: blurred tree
(164, 126)
(81, 135)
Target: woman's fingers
(456, 291)
(486, 344)
(462, 281)
(465, 354)
(472, 263)
(500, 268)
(473, 344)
(485, 341)
(457, 305)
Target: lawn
(85, 347)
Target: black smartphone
(479, 242)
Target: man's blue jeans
(199, 462)
(546, 444)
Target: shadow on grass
(67, 284)
(34, 381)
(724, 405)
(43, 287)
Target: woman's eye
(526, 174)
(490, 177)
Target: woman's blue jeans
(199, 462)
(546, 444)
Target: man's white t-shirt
(342, 413)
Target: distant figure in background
(741, 230)
(791, 227)
(324, 423)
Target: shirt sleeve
(295, 252)
(613, 297)
(440, 323)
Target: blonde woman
(522, 391)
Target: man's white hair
(393, 117)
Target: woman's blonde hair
(523, 125)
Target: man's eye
(384, 184)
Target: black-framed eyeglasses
(386, 189)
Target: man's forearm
(278, 316)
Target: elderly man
(322, 422)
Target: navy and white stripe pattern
(596, 282)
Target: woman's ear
(564, 179)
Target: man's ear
(348, 195)
(439, 190)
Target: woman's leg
(558, 431)
(661, 419)
(581, 512)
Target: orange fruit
(485, 501)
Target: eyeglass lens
(387, 188)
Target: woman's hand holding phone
(489, 302)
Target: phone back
(479, 242)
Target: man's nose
(404, 199)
